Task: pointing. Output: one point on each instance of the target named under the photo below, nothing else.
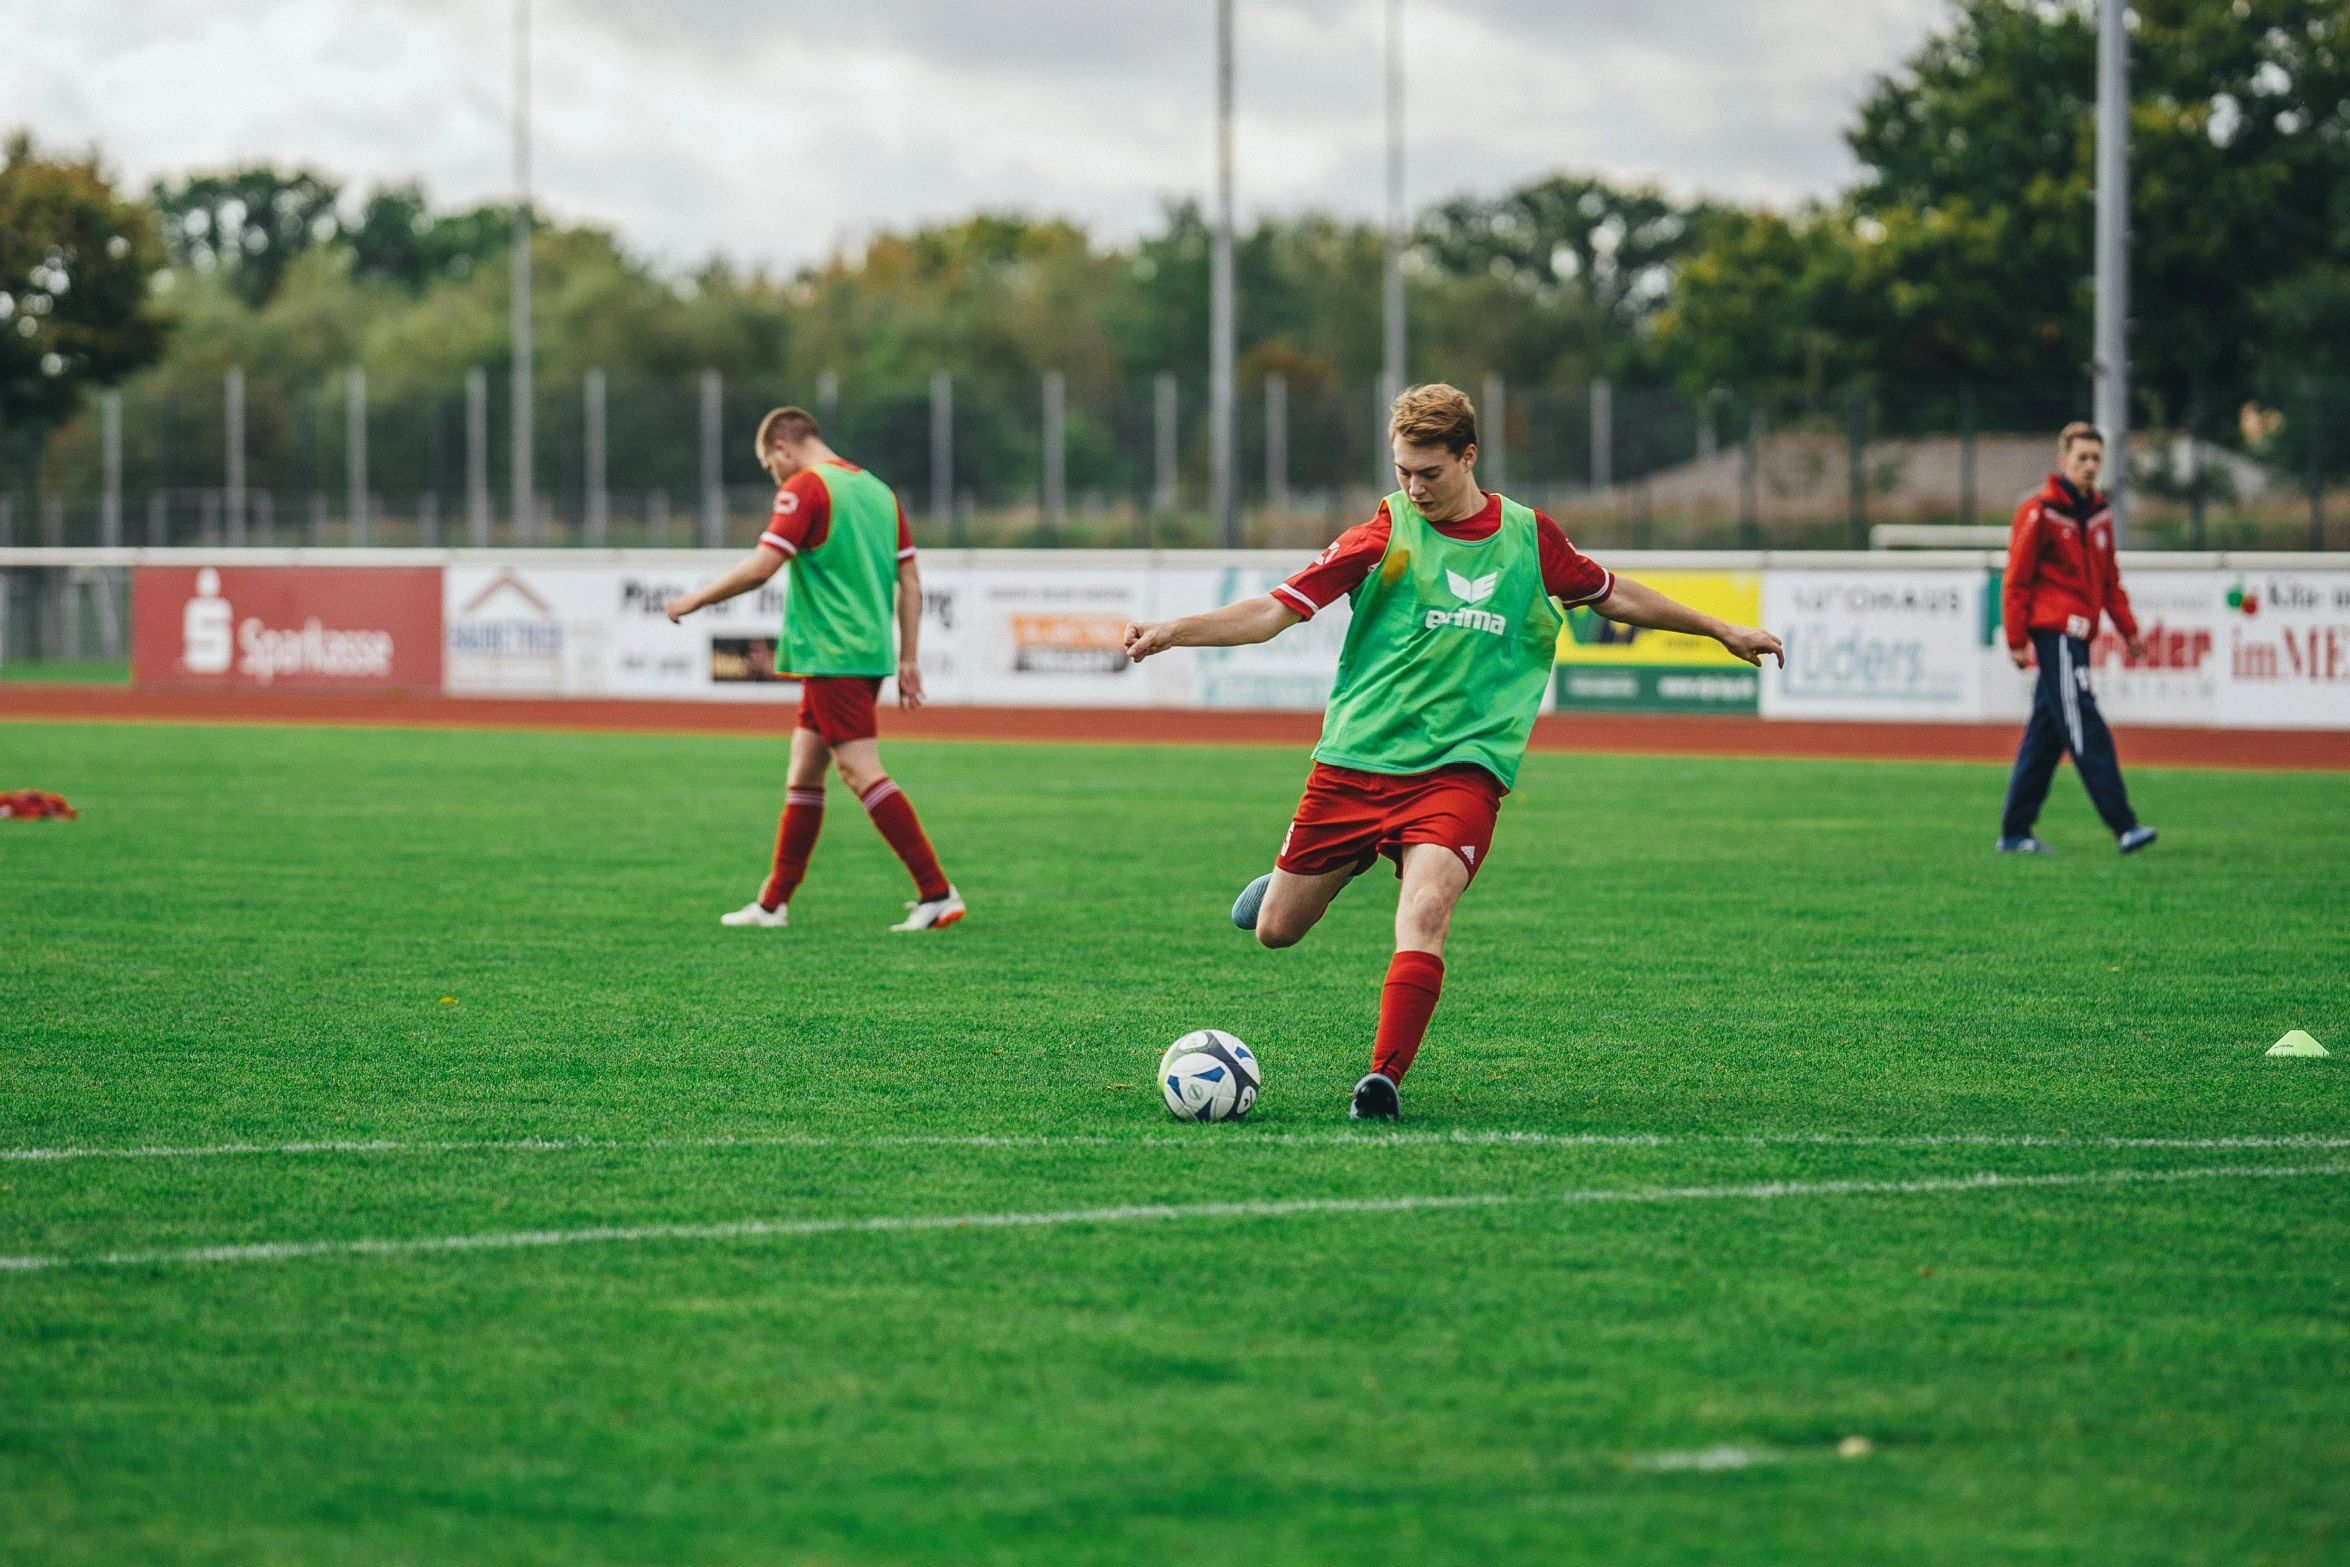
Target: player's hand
(2137, 647)
(1751, 644)
(1143, 641)
(2021, 657)
(680, 607)
(909, 684)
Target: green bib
(1449, 652)
(840, 604)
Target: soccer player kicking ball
(845, 536)
(1453, 639)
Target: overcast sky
(772, 132)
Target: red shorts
(840, 707)
(1347, 817)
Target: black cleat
(1376, 1099)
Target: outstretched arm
(1235, 625)
(753, 569)
(1637, 604)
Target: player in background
(2061, 579)
(844, 534)
(1454, 636)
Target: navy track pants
(2064, 718)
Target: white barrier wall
(2233, 640)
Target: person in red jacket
(2061, 580)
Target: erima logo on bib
(1470, 590)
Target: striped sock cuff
(873, 797)
(813, 797)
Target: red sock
(894, 815)
(795, 840)
(1414, 981)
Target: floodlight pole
(1222, 328)
(2111, 364)
(1392, 361)
(524, 504)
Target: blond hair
(2078, 430)
(1435, 415)
(793, 423)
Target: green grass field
(1718, 1040)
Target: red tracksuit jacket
(2061, 574)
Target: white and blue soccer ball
(1209, 1075)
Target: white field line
(1203, 1138)
(745, 1229)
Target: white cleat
(934, 913)
(752, 914)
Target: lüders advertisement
(1875, 644)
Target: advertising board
(1604, 666)
(600, 630)
(1293, 672)
(1032, 638)
(305, 628)
(2284, 655)
(1875, 644)
(2181, 616)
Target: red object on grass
(29, 803)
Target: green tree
(76, 303)
(399, 238)
(250, 223)
(1616, 246)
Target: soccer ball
(1208, 1075)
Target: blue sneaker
(2135, 839)
(1251, 899)
(2027, 844)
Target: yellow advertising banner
(1733, 595)
(1603, 665)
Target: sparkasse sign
(308, 628)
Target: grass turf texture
(248, 939)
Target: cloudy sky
(772, 132)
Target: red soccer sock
(795, 840)
(894, 815)
(1414, 981)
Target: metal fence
(979, 461)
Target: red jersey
(2061, 574)
(802, 518)
(1568, 575)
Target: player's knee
(1425, 911)
(1278, 936)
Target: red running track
(1618, 733)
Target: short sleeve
(905, 532)
(1338, 570)
(802, 515)
(1569, 575)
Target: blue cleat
(2028, 844)
(2135, 839)
(1251, 899)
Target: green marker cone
(2297, 1043)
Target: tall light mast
(1221, 325)
(2112, 354)
(525, 506)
